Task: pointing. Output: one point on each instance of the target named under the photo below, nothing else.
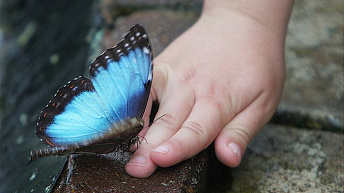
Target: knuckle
(198, 131)
(242, 132)
(195, 128)
(167, 121)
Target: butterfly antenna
(150, 124)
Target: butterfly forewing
(132, 58)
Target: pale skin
(219, 81)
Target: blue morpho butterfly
(97, 115)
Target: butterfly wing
(86, 109)
(124, 73)
(100, 143)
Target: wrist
(269, 14)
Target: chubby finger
(196, 133)
(234, 138)
(175, 109)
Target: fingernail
(162, 149)
(137, 160)
(235, 149)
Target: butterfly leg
(70, 167)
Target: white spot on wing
(150, 76)
(145, 50)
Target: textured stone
(287, 159)
(163, 26)
(314, 88)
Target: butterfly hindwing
(85, 110)
(101, 143)
(73, 115)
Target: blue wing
(118, 89)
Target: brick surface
(107, 174)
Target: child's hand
(221, 80)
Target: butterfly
(97, 115)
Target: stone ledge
(107, 174)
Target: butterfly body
(103, 112)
